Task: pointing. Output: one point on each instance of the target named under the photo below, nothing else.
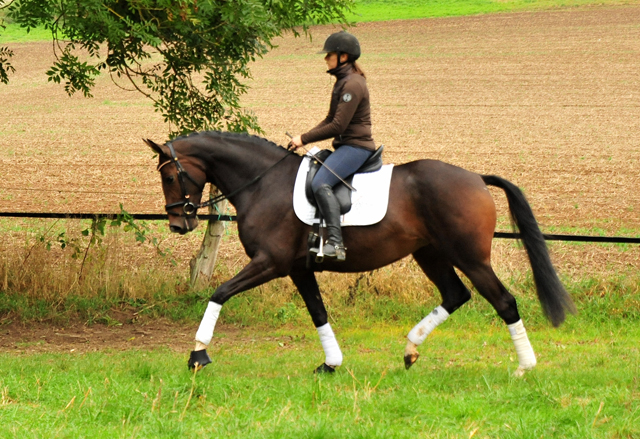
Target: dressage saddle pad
(368, 203)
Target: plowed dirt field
(549, 100)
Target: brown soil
(40, 337)
(79, 338)
(548, 100)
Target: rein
(190, 208)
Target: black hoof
(410, 359)
(324, 368)
(198, 359)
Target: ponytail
(358, 70)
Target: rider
(349, 123)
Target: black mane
(256, 140)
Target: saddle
(342, 192)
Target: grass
(260, 384)
(383, 10)
(584, 386)
(13, 33)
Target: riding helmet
(342, 42)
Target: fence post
(204, 262)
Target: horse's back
(428, 170)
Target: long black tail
(553, 297)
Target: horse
(442, 215)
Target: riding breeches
(344, 161)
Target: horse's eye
(170, 179)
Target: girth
(342, 192)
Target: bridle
(190, 209)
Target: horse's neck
(235, 162)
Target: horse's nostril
(175, 229)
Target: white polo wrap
(526, 357)
(420, 332)
(208, 323)
(333, 355)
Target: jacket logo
(346, 97)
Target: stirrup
(335, 251)
(318, 251)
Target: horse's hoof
(198, 359)
(410, 354)
(410, 359)
(324, 368)
(520, 371)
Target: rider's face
(332, 59)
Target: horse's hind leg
(454, 294)
(489, 286)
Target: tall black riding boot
(330, 210)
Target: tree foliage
(190, 57)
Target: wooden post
(204, 262)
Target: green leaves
(189, 56)
(5, 66)
(140, 230)
(79, 75)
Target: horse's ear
(157, 148)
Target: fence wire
(164, 217)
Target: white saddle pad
(368, 203)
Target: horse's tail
(552, 295)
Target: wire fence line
(164, 217)
(135, 216)
(61, 191)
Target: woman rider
(349, 123)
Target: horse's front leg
(306, 283)
(256, 273)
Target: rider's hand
(296, 142)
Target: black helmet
(342, 42)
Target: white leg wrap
(419, 332)
(332, 351)
(208, 323)
(526, 357)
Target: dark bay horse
(442, 215)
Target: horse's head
(183, 180)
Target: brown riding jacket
(349, 118)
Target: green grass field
(260, 384)
(585, 386)
(16, 34)
(381, 10)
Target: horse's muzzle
(182, 224)
(178, 229)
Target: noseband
(190, 209)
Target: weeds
(120, 271)
(60, 270)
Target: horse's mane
(253, 139)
